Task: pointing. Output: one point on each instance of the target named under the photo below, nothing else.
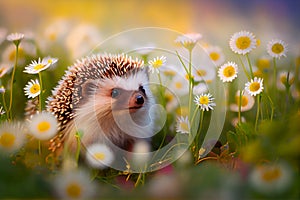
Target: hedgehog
(106, 98)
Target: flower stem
(41, 93)
(240, 106)
(244, 68)
(257, 112)
(164, 105)
(161, 90)
(12, 83)
(191, 137)
(274, 77)
(77, 135)
(250, 66)
(198, 134)
(272, 108)
(40, 147)
(190, 84)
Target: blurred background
(215, 19)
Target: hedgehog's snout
(136, 100)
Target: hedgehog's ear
(89, 87)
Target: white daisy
(32, 89)
(15, 37)
(183, 125)
(282, 79)
(263, 63)
(216, 55)
(82, 39)
(203, 73)
(188, 40)
(255, 86)
(5, 68)
(277, 48)
(242, 42)
(12, 136)
(179, 85)
(205, 101)
(74, 184)
(141, 153)
(171, 100)
(43, 126)
(36, 66)
(156, 63)
(25, 49)
(57, 30)
(99, 156)
(272, 178)
(228, 72)
(168, 70)
(51, 61)
(247, 102)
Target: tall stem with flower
(16, 39)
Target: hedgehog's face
(131, 100)
(130, 93)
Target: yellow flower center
(214, 56)
(229, 71)
(157, 64)
(182, 110)
(73, 190)
(263, 63)
(178, 85)
(184, 126)
(243, 42)
(7, 139)
(52, 36)
(35, 88)
(258, 73)
(258, 42)
(283, 80)
(244, 100)
(99, 156)
(38, 67)
(169, 73)
(204, 100)
(43, 126)
(201, 72)
(277, 48)
(254, 86)
(271, 174)
(169, 97)
(12, 54)
(187, 77)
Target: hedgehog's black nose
(139, 99)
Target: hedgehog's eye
(141, 88)
(115, 93)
